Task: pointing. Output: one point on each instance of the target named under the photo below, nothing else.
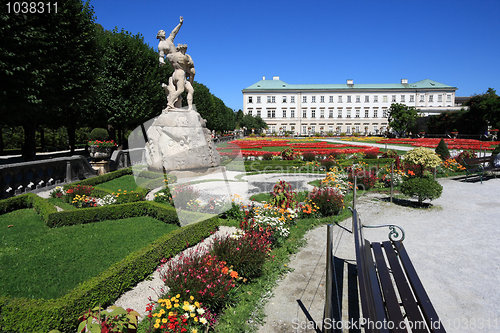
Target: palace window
(322, 99)
(304, 99)
(284, 99)
(375, 113)
(384, 99)
(259, 112)
(358, 99)
(322, 113)
(384, 113)
(258, 99)
(330, 100)
(357, 113)
(339, 113)
(292, 99)
(348, 114)
(330, 113)
(422, 98)
(375, 99)
(313, 99)
(250, 99)
(431, 98)
(367, 99)
(284, 113)
(304, 113)
(340, 99)
(250, 111)
(313, 113)
(440, 98)
(412, 98)
(366, 113)
(448, 98)
(349, 99)
(393, 98)
(402, 98)
(292, 113)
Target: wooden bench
(389, 288)
(479, 166)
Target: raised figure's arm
(176, 29)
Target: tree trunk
(71, 137)
(42, 138)
(1, 140)
(29, 145)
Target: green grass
(123, 183)
(259, 197)
(42, 262)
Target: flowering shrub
(466, 154)
(338, 179)
(80, 190)
(106, 200)
(176, 314)
(199, 274)
(329, 200)
(163, 196)
(282, 195)
(423, 158)
(276, 221)
(101, 320)
(288, 154)
(245, 254)
(57, 192)
(82, 201)
(384, 176)
(308, 209)
(329, 162)
(309, 156)
(393, 154)
(182, 195)
(193, 205)
(450, 165)
(102, 144)
(267, 156)
(215, 206)
(365, 178)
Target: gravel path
(452, 246)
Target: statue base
(178, 140)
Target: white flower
(203, 321)
(200, 311)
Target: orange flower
(411, 173)
(234, 274)
(225, 270)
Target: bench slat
(428, 310)
(391, 300)
(409, 302)
(378, 311)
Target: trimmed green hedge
(102, 178)
(113, 212)
(29, 200)
(28, 315)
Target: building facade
(305, 109)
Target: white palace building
(306, 109)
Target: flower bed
(452, 143)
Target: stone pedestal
(101, 167)
(178, 140)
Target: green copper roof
(281, 85)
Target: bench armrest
(393, 235)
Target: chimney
(350, 82)
(276, 78)
(404, 81)
(263, 78)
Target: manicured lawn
(42, 262)
(123, 183)
(61, 204)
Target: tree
(238, 117)
(249, 121)
(402, 118)
(45, 68)
(129, 88)
(486, 109)
(442, 150)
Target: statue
(183, 77)
(178, 139)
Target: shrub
(365, 178)
(442, 150)
(371, 155)
(309, 157)
(163, 196)
(422, 157)
(329, 162)
(328, 200)
(267, 156)
(496, 151)
(288, 154)
(246, 253)
(393, 154)
(282, 195)
(102, 320)
(466, 154)
(421, 187)
(78, 190)
(183, 194)
(98, 134)
(200, 274)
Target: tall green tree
(45, 68)
(485, 109)
(402, 118)
(129, 80)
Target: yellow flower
(191, 297)
(176, 305)
(164, 320)
(194, 330)
(156, 325)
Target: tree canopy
(402, 118)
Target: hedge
(114, 212)
(93, 181)
(29, 200)
(28, 315)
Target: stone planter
(100, 153)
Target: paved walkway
(369, 144)
(453, 247)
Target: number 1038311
(31, 7)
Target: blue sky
(234, 43)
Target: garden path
(452, 246)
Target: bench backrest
(371, 301)
(478, 160)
